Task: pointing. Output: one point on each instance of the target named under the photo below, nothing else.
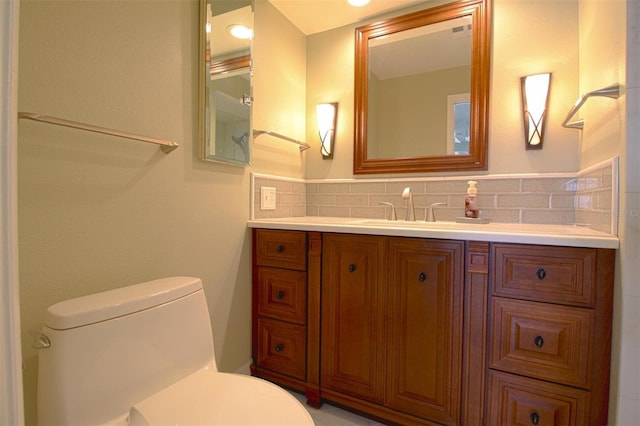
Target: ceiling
(314, 16)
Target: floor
(329, 415)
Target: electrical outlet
(267, 198)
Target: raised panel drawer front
(282, 294)
(545, 273)
(516, 400)
(282, 347)
(541, 340)
(281, 249)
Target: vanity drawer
(281, 249)
(545, 273)
(282, 294)
(541, 340)
(515, 400)
(282, 347)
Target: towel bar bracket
(612, 92)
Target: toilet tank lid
(111, 304)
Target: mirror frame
(479, 10)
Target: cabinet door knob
(541, 273)
(535, 418)
(279, 347)
(280, 294)
(539, 341)
(422, 277)
(352, 267)
(280, 248)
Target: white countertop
(557, 235)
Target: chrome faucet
(411, 212)
(431, 215)
(392, 215)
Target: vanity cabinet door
(353, 300)
(425, 313)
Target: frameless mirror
(422, 91)
(225, 80)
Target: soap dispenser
(470, 202)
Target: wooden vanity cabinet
(285, 319)
(426, 331)
(550, 335)
(392, 312)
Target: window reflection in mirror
(225, 84)
(458, 124)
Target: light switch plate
(267, 198)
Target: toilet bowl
(143, 355)
(187, 403)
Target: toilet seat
(207, 397)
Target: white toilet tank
(112, 349)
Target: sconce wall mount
(535, 102)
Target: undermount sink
(409, 224)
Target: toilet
(143, 355)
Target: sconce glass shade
(326, 115)
(535, 101)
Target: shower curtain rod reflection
(166, 145)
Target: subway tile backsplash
(587, 198)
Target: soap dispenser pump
(470, 202)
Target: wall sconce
(535, 100)
(327, 116)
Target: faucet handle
(431, 216)
(393, 210)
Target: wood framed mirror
(410, 115)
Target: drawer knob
(541, 273)
(535, 418)
(539, 341)
(422, 277)
(280, 294)
(279, 347)
(280, 248)
(352, 267)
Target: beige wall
(528, 37)
(602, 62)
(611, 128)
(279, 87)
